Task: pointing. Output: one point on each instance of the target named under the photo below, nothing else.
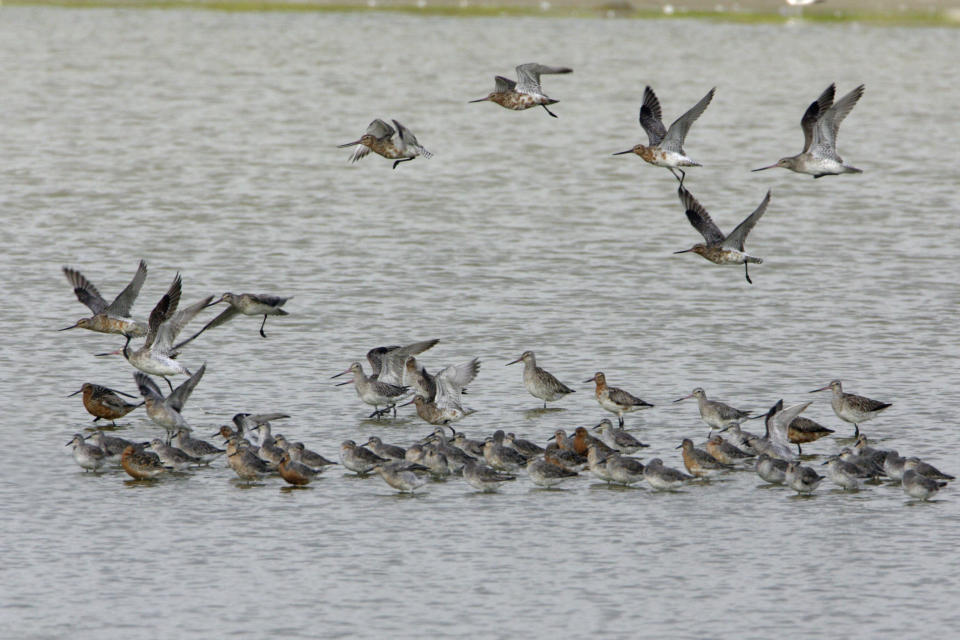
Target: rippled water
(205, 143)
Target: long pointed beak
(820, 389)
(109, 353)
(772, 166)
(70, 443)
(514, 362)
(684, 251)
(210, 304)
(620, 153)
(590, 380)
(340, 384)
(348, 144)
(404, 404)
(478, 100)
(553, 437)
(683, 398)
(679, 446)
(340, 374)
(73, 326)
(75, 393)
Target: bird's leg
(746, 271)
(799, 450)
(548, 110)
(856, 430)
(544, 404)
(262, 324)
(400, 160)
(394, 409)
(169, 384)
(621, 420)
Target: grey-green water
(205, 143)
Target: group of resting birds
(818, 158)
(397, 375)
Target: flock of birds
(664, 148)
(397, 378)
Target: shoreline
(876, 12)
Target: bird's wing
(816, 109)
(148, 388)
(463, 374)
(163, 310)
(677, 132)
(178, 398)
(448, 394)
(699, 218)
(503, 85)
(169, 330)
(379, 129)
(124, 301)
(651, 118)
(409, 141)
(779, 424)
(224, 316)
(85, 291)
(739, 235)
(825, 133)
(271, 300)
(528, 76)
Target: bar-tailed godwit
(108, 318)
(665, 148)
(397, 144)
(720, 248)
(539, 382)
(852, 408)
(526, 91)
(820, 124)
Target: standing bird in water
(525, 92)
(852, 408)
(249, 304)
(108, 318)
(379, 138)
(666, 145)
(721, 249)
(105, 403)
(539, 382)
(615, 400)
(820, 124)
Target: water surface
(204, 143)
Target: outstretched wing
(450, 382)
(409, 141)
(178, 398)
(224, 316)
(699, 218)
(148, 388)
(163, 310)
(120, 307)
(677, 132)
(393, 360)
(85, 291)
(170, 329)
(825, 133)
(503, 85)
(528, 76)
(379, 129)
(651, 118)
(816, 109)
(739, 235)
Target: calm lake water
(204, 143)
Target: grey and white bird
(852, 408)
(483, 478)
(916, 485)
(800, 478)
(539, 382)
(248, 304)
(820, 124)
(167, 411)
(88, 456)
